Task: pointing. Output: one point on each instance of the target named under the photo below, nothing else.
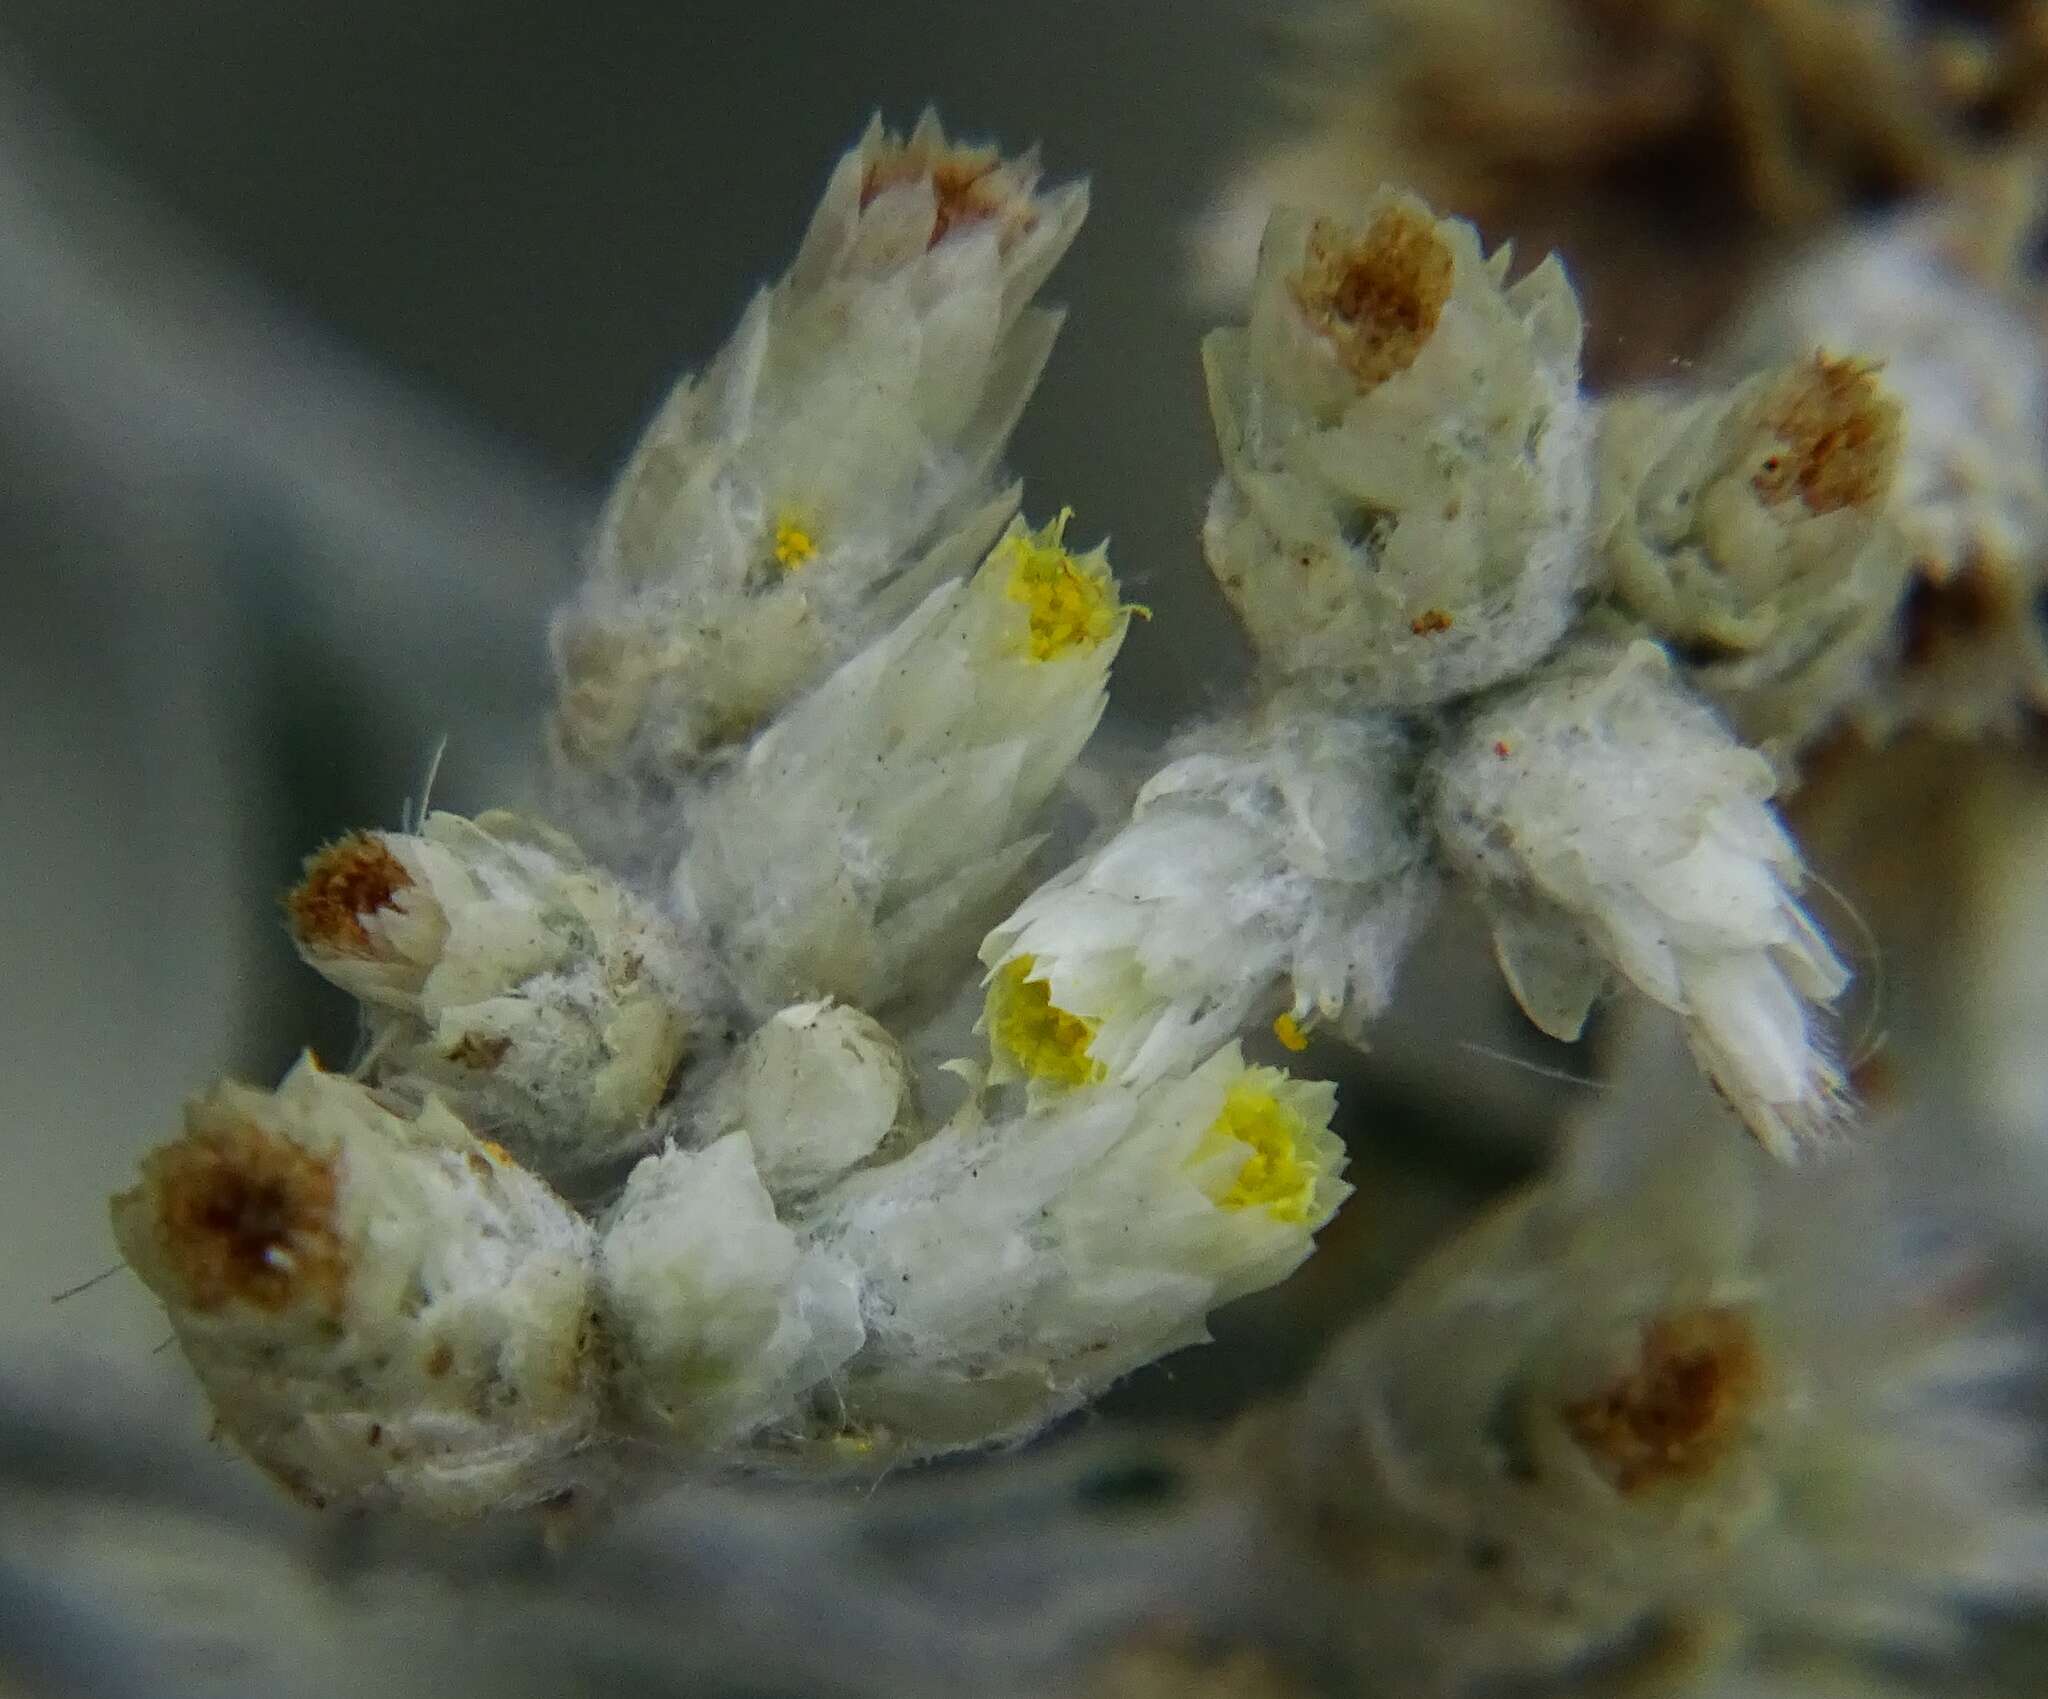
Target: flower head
(1752, 529)
(1031, 1037)
(1838, 436)
(1280, 853)
(815, 861)
(531, 991)
(1405, 476)
(794, 544)
(968, 185)
(1682, 1407)
(1268, 1141)
(1626, 831)
(382, 1307)
(1070, 600)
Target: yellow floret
(1290, 1031)
(1279, 1171)
(1071, 599)
(794, 544)
(1044, 1041)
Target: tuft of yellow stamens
(1070, 599)
(794, 544)
(1274, 1175)
(1026, 1027)
(1290, 1031)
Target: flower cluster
(662, 1144)
(1461, 575)
(644, 1155)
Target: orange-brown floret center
(967, 187)
(1680, 1410)
(1376, 300)
(248, 1217)
(1837, 437)
(346, 882)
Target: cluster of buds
(645, 1156)
(636, 1162)
(1459, 574)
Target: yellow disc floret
(1026, 1028)
(1280, 1167)
(1070, 599)
(793, 544)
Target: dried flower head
(969, 185)
(245, 1216)
(352, 878)
(1375, 297)
(1837, 435)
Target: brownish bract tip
(1376, 300)
(1837, 436)
(245, 1216)
(347, 881)
(1682, 1408)
(969, 186)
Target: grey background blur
(319, 328)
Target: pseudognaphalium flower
(836, 463)
(383, 1307)
(1613, 825)
(534, 993)
(819, 696)
(1676, 1413)
(1752, 530)
(1405, 456)
(863, 837)
(1280, 851)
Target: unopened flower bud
(531, 991)
(1405, 458)
(382, 1308)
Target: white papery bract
(1677, 1385)
(858, 847)
(534, 993)
(1014, 1268)
(1751, 529)
(382, 1308)
(1406, 467)
(817, 1088)
(836, 462)
(721, 1319)
(1279, 849)
(1611, 823)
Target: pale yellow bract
(1279, 1171)
(1043, 1040)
